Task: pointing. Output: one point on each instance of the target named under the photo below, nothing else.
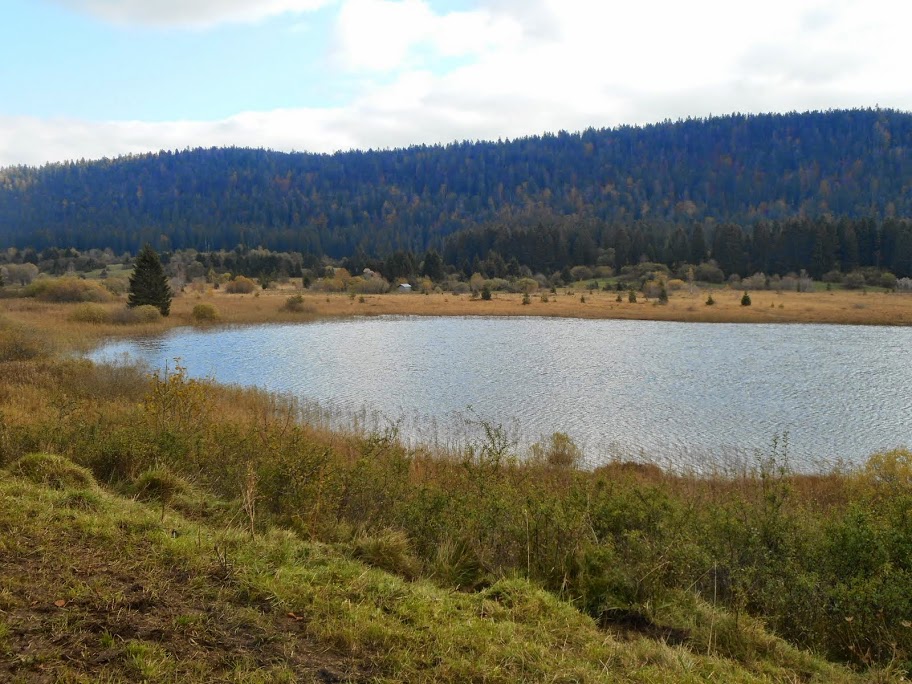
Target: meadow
(164, 528)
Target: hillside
(740, 168)
(96, 587)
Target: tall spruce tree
(148, 284)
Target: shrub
(90, 313)
(854, 280)
(709, 273)
(526, 299)
(887, 280)
(675, 284)
(67, 290)
(295, 304)
(709, 300)
(203, 313)
(240, 285)
(137, 315)
(21, 344)
(631, 296)
(559, 451)
(486, 293)
(745, 300)
(53, 471)
(581, 273)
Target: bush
(295, 304)
(486, 293)
(90, 313)
(21, 344)
(203, 313)
(137, 315)
(67, 290)
(526, 299)
(240, 285)
(888, 280)
(53, 471)
(632, 297)
(745, 300)
(709, 300)
(581, 273)
(854, 280)
(709, 273)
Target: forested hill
(738, 168)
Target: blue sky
(92, 78)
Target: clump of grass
(388, 550)
(137, 315)
(90, 313)
(53, 471)
(84, 500)
(204, 313)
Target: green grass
(121, 593)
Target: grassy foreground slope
(97, 587)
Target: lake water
(686, 394)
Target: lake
(681, 394)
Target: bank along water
(690, 395)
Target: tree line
(820, 247)
(740, 169)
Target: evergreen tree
(148, 284)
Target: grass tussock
(53, 471)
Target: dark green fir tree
(148, 284)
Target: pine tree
(148, 284)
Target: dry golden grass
(849, 307)
(846, 307)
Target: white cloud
(189, 13)
(541, 65)
(384, 35)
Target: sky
(85, 79)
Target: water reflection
(683, 393)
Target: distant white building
(404, 287)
